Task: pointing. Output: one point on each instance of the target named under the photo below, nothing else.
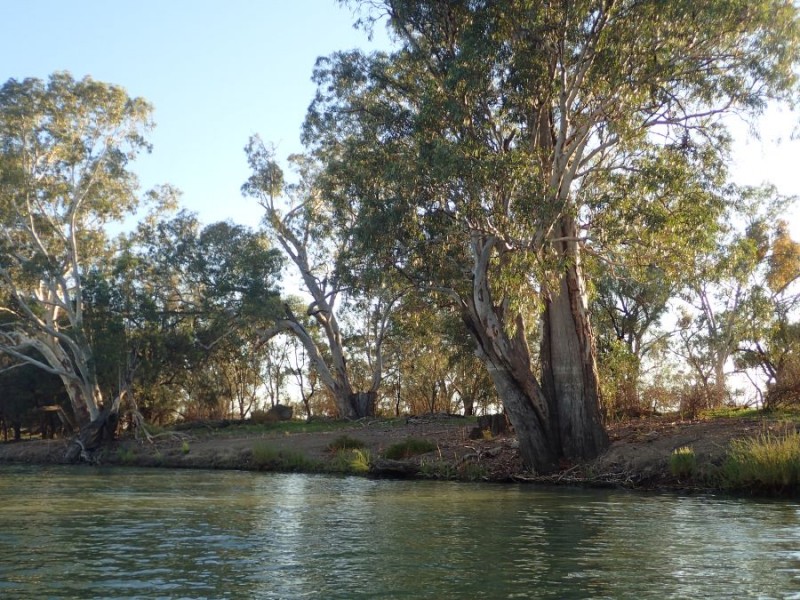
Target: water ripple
(68, 533)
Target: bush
(408, 448)
(126, 456)
(683, 462)
(354, 460)
(766, 463)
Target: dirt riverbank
(639, 456)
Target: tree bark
(362, 404)
(508, 361)
(93, 435)
(569, 371)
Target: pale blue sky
(218, 71)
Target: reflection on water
(87, 533)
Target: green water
(87, 533)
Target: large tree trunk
(538, 443)
(561, 417)
(508, 360)
(362, 404)
(569, 370)
(94, 435)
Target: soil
(639, 455)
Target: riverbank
(441, 447)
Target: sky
(218, 71)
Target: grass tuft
(345, 442)
(360, 460)
(266, 457)
(768, 462)
(683, 462)
(126, 456)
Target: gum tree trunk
(507, 359)
(559, 417)
(569, 370)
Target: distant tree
(192, 298)
(654, 221)
(724, 291)
(65, 147)
(301, 221)
(771, 335)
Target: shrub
(438, 470)
(345, 442)
(768, 462)
(265, 456)
(185, 447)
(408, 448)
(683, 462)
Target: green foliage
(441, 469)
(769, 463)
(438, 470)
(408, 448)
(345, 442)
(352, 460)
(683, 462)
(502, 142)
(265, 455)
(65, 149)
(730, 412)
(619, 376)
(190, 297)
(185, 447)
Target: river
(125, 533)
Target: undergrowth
(683, 462)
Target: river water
(93, 533)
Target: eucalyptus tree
(433, 367)
(473, 152)
(65, 149)
(299, 218)
(192, 298)
(650, 236)
(771, 331)
(726, 291)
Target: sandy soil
(638, 457)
